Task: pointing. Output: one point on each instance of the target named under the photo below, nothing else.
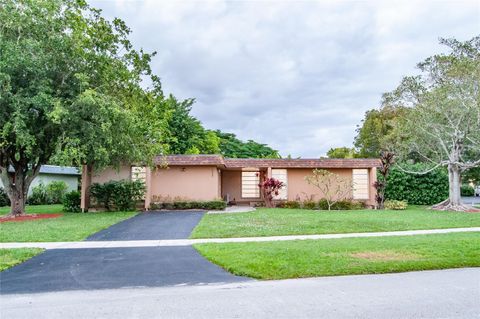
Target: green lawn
(36, 209)
(70, 227)
(273, 222)
(328, 257)
(12, 257)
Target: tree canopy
(443, 122)
(184, 133)
(375, 133)
(73, 91)
(70, 83)
(342, 152)
(231, 146)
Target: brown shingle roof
(302, 163)
(186, 160)
(218, 160)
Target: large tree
(185, 133)
(231, 146)
(443, 124)
(342, 152)
(70, 83)
(374, 134)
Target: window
(360, 183)
(139, 173)
(281, 175)
(250, 181)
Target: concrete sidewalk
(188, 242)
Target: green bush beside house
(425, 189)
(181, 205)
(120, 195)
(467, 190)
(51, 193)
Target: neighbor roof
(218, 160)
(61, 170)
(53, 169)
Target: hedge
(181, 205)
(118, 195)
(51, 193)
(426, 189)
(467, 190)
(71, 202)
(322, 205)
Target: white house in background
(50, 173)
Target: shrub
(215, 205)
(39, 195)
(270, 187)
(309, 204)
(332, 187)
(427, 189)
(71, 202)
(102, 194)
(207, 205)
(341, 205)
(262, 204)
(323, 204)
(4, 200)
(467, 190)
(55, 191)
(396, 204)
(118, 195)
(289, 204)
(182, 205)
(348, 205)
(52, 193)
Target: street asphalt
(471, 200)
(453, 293)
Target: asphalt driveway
(151, 226)
(102, 268)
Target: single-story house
(210, 177)
(51, 173)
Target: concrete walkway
(233, 210)
(452, 293)
(188, 242)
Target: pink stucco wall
(372, 178)
(298, 188)
(111, 174)
(188, 183)
(231, 185)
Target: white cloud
(295, 75)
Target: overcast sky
(296, 75)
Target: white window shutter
(360, 183)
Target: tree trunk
(17, 203)
(454, 201)
(16, 186)
(454, 191)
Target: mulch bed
(28, 217)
